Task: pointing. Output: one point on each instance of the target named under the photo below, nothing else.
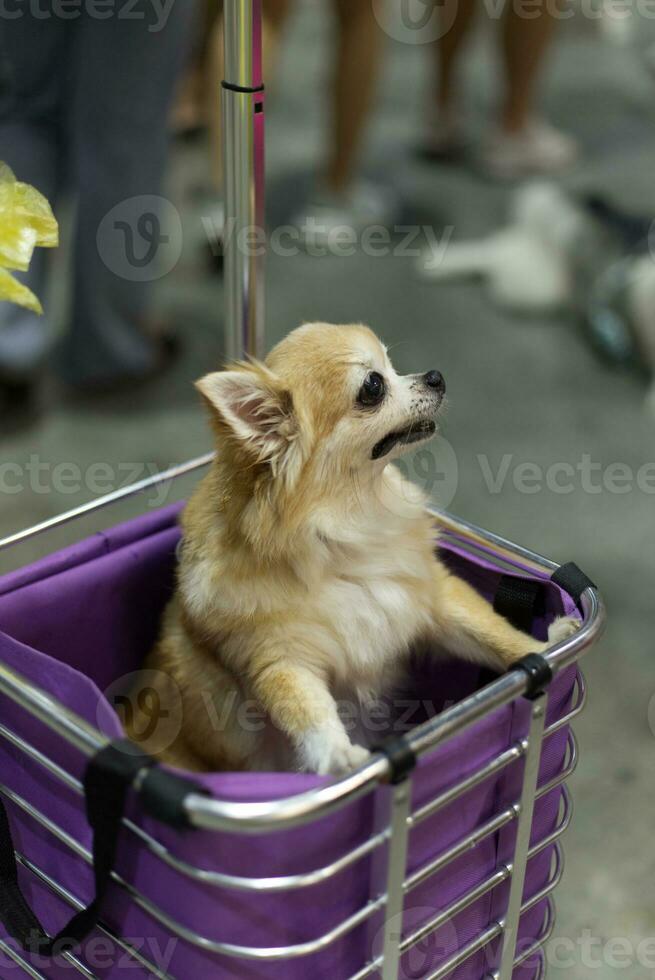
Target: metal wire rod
(14, 955)
(400, 802)
(76, 904)
(524, 829)
(277, 814)
(474, 946)
(122, 493)
(492, 768)
(536, 946)
(446, 915)
(392, 917)
(279, 883)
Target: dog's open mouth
(413, 433)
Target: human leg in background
(445, 139)
(524, 144)
(524, 44)
(33, 60)
(340, 199)
(358, 46)
(521, 144)
(125, 72)
(357, 61)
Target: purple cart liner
(76, 621)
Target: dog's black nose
(434, 380)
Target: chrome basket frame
(398, 819)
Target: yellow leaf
(15, 292)
(26, 221)
(6, 173)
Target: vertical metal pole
(523, 831)
(243, 163)
(397, 862)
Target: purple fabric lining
(79, 619)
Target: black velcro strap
(401, 756)
(15, 914)
(519, 600)
(538, 672)
(163, 793)
(572, 579)
(107, 781)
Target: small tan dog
(308, 567)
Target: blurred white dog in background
(560, 253)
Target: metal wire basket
(383, 940)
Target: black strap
(15, 914)
(108, 778)
(400, 754)
(245, 89)
(538, 671)
(163, 793)
(572, 579)
(519, 600)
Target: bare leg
(457, 18)
(525, 41)
(355, 75)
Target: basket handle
(109, 776)
(243, 169)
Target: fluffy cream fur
(308, 566)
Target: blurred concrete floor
(527, 388)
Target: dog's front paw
(561, 628)
(326, 755)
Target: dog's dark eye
(372, 391)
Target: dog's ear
(255, 406)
